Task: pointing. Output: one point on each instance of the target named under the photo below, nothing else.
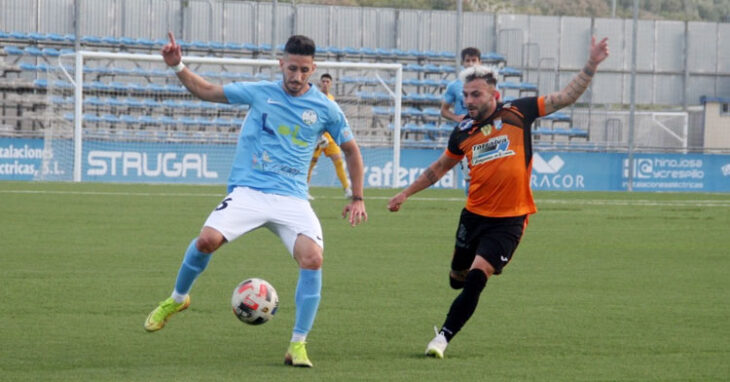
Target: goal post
(125, 114)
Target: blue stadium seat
(91, 39)
(37, 36)
(119, 86)
(558, 116)
(111, 40)
(150, 103)
(431, 54)
(265, 47)
(492, 57)
(171, 103)
(50, 52)
(19, 35)
(432, 112)
(250, 47)
(335, 50)
(134, 102)
(146, 119)
(92, 118)
(233, 46)
(33, 51)
(368, 51)
(97, 85)
(116, 102)
(129, 119)
(383, 52)
(166, 120)
(94, 101)
(510, 72)
(447, 54)
(110, 118)
(128, 41)
(145, 42)
(413, 68)
(55, 37)
(352, 51)
(28, 67)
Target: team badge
(309, 117)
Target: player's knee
(208, 243)
(313, 261)
(456, 278)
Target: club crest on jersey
(497, 147)
(487, 129)
(309, 117)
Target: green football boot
(296, 355)
(157, 319)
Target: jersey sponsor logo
(495, 148)
(265, 164)
(286, 130)
(309, 117)
(271, 101)
(466, 125)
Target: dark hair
(300, 45)
(470, 51)
(326, 75)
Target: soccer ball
(254, 301)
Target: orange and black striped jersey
(499, 151)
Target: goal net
(127, 118)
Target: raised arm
(433, 173)
(356, 207)
(579, 83)
(172, 54)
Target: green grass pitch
(604, 286)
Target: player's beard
(479, 114)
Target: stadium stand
(119, 102)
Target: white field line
(539, 201)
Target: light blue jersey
(454, 95)
(279, 135)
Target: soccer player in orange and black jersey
(496, 140)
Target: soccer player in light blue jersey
(267, 186)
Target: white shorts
(245, 209)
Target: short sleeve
(530, 107)
(338, 126)
(452, 149)
(239, 92)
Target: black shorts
(494, 239)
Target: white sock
(296, 337)
(179, 298)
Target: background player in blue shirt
(268, 181)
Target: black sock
(465, 303)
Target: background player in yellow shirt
(327, 145)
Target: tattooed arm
(579, 83)
(433, 173)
